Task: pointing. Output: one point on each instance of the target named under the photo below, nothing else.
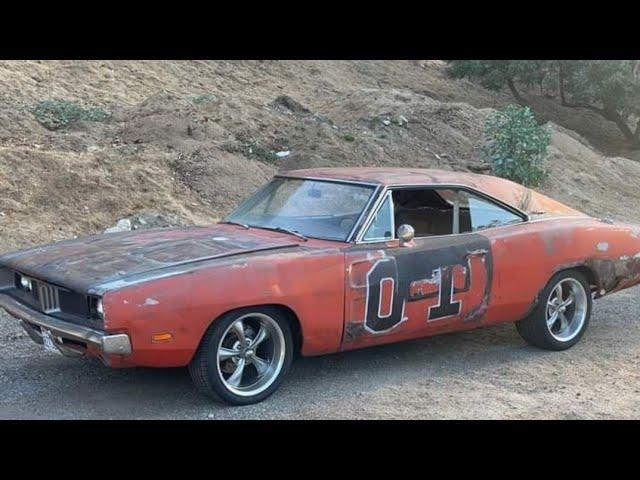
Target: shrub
(56, 114)
(516, 146)
(203, 98)
(251, 148)
(349, 137)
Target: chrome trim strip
(328, 179)
(463, 187)
(393, 220)
(358, 239)
(365, 226)
(362, 217)
(117, 344)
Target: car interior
(428, 212)
(437, 211)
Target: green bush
(253, 148)
(516, 146)
(55, 114)
(203, 98)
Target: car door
(441, 281)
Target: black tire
(204, 369)
(533, 329)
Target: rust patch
(525, 200)
(615, 274)
(353, 331)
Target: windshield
(314, 208)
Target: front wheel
(562, 315)
(244, 356)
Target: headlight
(99, 308)
(96, 307)
(25, 283)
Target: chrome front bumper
(33, 321)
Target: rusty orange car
(320, 261)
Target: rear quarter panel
(310, 282)
(527, 255)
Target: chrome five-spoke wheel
(559, 319)
(251, 354)
(566, 309)
(244, 355)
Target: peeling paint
(602, 246)
(616, 274)
(150, 301)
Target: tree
(610, 88)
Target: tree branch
(612, 116)
(515, 93)
(561, 82)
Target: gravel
(483, 373)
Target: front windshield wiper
(230, 222)
(283, 230)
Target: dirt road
(485, 373)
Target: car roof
(506, 191)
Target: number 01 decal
(392, 282)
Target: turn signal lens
(162, 337)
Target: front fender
(309, 282)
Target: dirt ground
(487, 373)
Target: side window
(381, 228)
(429, 211)
(476, 213)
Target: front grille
(49, 298)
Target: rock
(283, 154)
(156, 220)
(386, 122)
(402, 120)
(123, 225)
(284, 102)
(145, 220)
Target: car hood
(84, 263)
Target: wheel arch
(590, 273)
(288, 312)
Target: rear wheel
(244, 356)
(561, 317)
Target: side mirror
(405, 234)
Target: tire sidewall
(218, 329)
(542, 308)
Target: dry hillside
(193, 138)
